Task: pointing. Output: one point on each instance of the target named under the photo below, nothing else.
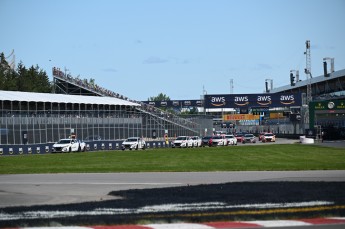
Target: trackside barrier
(8, 150)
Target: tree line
(32, 79)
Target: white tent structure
(62, 98)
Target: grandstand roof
(62, 98)
(318, 79)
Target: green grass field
(232, 158)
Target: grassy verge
(244, 158)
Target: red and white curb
(215, 225)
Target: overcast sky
(140, 48)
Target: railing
(144, 107)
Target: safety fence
(47, 129)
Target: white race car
(134, 143)
(69, 145)
(183, 142)
(196, 141)
(232, 140)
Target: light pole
(294, 77)
(325, 70)
(231, 86)
(268, 85)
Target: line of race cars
(221, 140)
(68, 145)
(135, 143)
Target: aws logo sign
(218, 101)
(241, 100)
(264, 100)
(287, 99)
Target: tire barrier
(7, 150)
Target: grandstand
(40, 118)
(87, 110)
(67, 84)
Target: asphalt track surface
(50, 189)
(131, 198)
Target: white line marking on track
(279, 223)
(179, 226)
(339, 218)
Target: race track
(50, 189)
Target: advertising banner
(176, 103)
(235, 117)
(253, 100)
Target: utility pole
(231, 86)
(268, 85)
(309, 76)
(12, 62)
(307, 71)
(204, 93)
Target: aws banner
(253, 100)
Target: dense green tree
(159, 97)
(42, 83)
(23, 82)
(31, 79)
(11, 79)
(164, 97)
(2, 73)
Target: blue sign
(176, 103)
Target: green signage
(328, 105)
(331, 106)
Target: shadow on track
(201, 203)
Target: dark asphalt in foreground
(199, 203)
